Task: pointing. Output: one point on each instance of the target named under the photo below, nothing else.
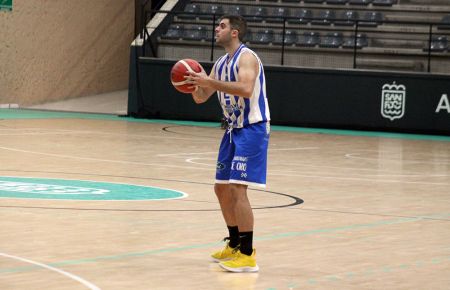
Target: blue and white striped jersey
(240, 111)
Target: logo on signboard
(393, 98)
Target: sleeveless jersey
(240, 111)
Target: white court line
(375, 174)
(388, 172)
(212, 168)
(215, 152)
(294, 148)
(358, 179)
(190, 160)
(287, 173)
(71, 276)
(31, 133)
(183, 154)
(102, 160)
(354, 156)
(63, 131)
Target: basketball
(180, 70)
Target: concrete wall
(58, 49)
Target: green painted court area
(64, 189)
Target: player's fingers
(190, 80)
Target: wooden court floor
(341, 211)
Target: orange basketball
(181, 69)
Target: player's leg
(244, 217)
(224, 196)
(248, 168)
(226, 204)
(245, 260)
(222, 190)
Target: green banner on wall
(6, 5)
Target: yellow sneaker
(241, 263)
(226, 254)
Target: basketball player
(238, 78)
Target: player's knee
(238, 191)
(221, 189)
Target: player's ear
(235, 33)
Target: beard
(224, 40)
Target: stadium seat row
(439, 43)
(278, 14)
(340, 2)
(266, 36)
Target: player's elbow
(198, 99)
(247, 91)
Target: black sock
(234, 236)
(246, 243)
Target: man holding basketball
(238, 78)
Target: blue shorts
(243, 155)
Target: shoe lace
(238, 247)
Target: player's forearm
(233, 88)
(200, 95)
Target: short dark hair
(237, 22)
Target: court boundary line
(51, 268)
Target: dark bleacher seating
(347, 18)
(309, 39)
(256, 14)
(211, 10)
(262, 37)
(237, 10)
(174, 32)
(301, 16)
(384, 2)
(325, 17)
(372, 18)
(338, 2)
(360, 2)
(387, 32)
(290, 38)
(192, 9)
(196, 32)
(278, 14)
(332, 40)
(439, 43)
(248, 35)
(361, 41)
(445, 22)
